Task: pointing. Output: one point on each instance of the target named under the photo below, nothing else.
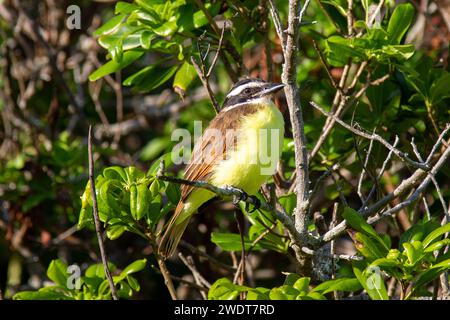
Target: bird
(234, 150)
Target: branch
(97, 220)
(402, 155)
(277, 22)
(181, 280)
(418, 191)
(199, 279)
(205, 81)
(407, 184)
(292, 93)
(216, 56)
(166, 275)
(206, 256)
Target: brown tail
(174, 231)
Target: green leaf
(437, 245)
(124, 291)
(385, 262)
(134, 267)
(111, 25)
(316, 296)
(113, 232)
(368, 247)
(277, 294)
(224, 289)
(42, 295)
(150, 77)
(440, 89)
(399, 22)
(125, 7)
(371, 282)
(95, 271)
(133, 283)
(113, 66)
(57, 272)
(146, 39)
(288, 201)
(359, 224)
(173, 192)
(231, 241)
(435, 234)
(340, 50)
(115, 173)
(418, 231)
(154, 148)
(168, 28)
(289, 292)
(413, 251)
(342, 284)
(108, 195)
(134, 175)
(302, 284)
(400, 52)
(430, 274)
(143, 201)
(183, 78)
(291, 278)
(258, 294)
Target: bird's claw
(243, 196)
(256, 204)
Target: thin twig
(407, 184)
(206, 84)
(322, 60)
(206, 256)
(97, 220)
(364, 167)
(421, 188)
(278, 24)
(216, 56)
(181, 280)
(199, 279)
(167, 277)
(402, 155)
(380, 174)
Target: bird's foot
(256, 204)
(244, 196)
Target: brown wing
(206, 153)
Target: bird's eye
(247, 91)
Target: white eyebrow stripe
(262, 100)
(242, 87)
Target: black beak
(271, 88)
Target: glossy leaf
(57, 272)
(359, 224)
(435, 234)
(113, 66)
(342, 284)
(399, 22)
(183, 78)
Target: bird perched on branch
(240, 148)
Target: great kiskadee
(240, 148)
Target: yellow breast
(257, 152)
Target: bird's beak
(271, 89)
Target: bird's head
(250, 90)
